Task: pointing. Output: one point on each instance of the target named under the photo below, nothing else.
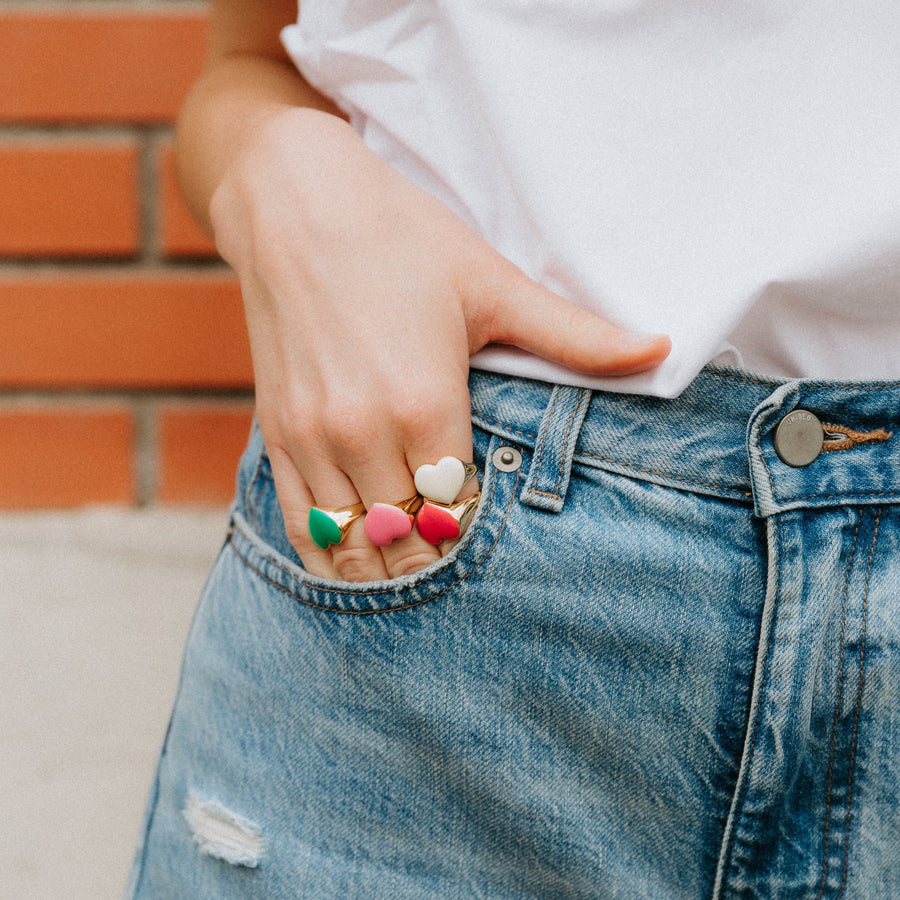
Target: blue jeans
(661, 663)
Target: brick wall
(124, 370)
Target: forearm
(238, 91)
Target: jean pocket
(257, 537)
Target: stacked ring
(438, 522)
(444, 480)
(330, 526)
(386, 522)
(433, 509)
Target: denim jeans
(661, 663)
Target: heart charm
(330, 526)
(438, 523)
(443, 481)
(386, 523)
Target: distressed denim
(661, 663)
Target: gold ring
(445, 522)
(330, 526)
(386, 522)
(443, 481)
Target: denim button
(507, 459)
(799, 438)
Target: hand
(365, 297)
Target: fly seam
(859, 695)
(743, 786)
(852, 438)
(837, 714)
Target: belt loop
(548, 478)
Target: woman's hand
(365, 297)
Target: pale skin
(364, 295)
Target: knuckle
(348, 425)
(423, 413)
(288, 425)
(414, 562)
(295, 527)
(354, 564)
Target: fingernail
(638, 338)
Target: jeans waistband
(716, 438)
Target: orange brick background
(125, 375)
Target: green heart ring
(330, 526)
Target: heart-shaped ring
(386, 522)
(444, 480)
(438, 522)
(330, 526)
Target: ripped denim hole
(223, 834)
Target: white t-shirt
(724, 171)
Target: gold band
(330, 526)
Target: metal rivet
(507, 459)
(799, 438)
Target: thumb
(521, 312)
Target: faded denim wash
(661, 663)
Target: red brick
(199, 448)
(149, 331)
(181, 236)
(69, 199)
(65, 63)
(65, 456)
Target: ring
(386, 522)
(442, 522)
(330, 526)
(443, 481)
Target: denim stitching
(719, 373)
(625, 465)
(778, 499)
(369, 612)
(476, 417)
(361, 593)
(792, 499)
(742, 788)
(837, 714)
(762, 456)
(254, 482)
(561, 469)
(539, 451)
(859, 695)
(834, 496)
(853, 438)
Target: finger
(510, 308)
(383, 479)
(354, 558)
(430, 424)
(295, 500)
(470, 489)
(382, 487)
(452, 438)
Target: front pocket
(499, 492)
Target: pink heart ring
(386, 522)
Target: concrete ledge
(94, 606)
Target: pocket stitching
(387, 590)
